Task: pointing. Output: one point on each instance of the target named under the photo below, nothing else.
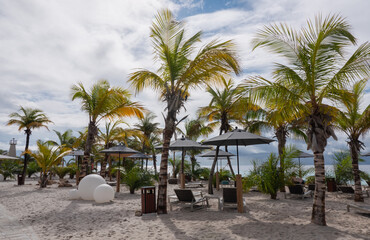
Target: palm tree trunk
(210, 180)
(43, 180)
(91, 133)
(356, 171)
(193, 162)
(318, 208)
(103, 165)
(155, 163)
(26, 157)
(162, 185)
(229, 162)
(281, 134)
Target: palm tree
(66, 139)
(226, 105)
(178, 74)
(149, 137)
(193, 130)
(47, 157)
(28, 119)
(355, 124)
(316, 71)
(112, 133)
(102, 102)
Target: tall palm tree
(66, 139)
(355, 124)
(112, 133)
(316, 71)
(193, 130)
(47, 157)
(226, 105)
(28, 119)
(150, 132)
(178, 74)
(102, 102)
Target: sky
(47, 46)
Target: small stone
(138, 213)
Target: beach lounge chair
(194, 185)
(229, 198)
(350, 191)
(298, 190)
(363, 208)
(186, 196)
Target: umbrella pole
(118, 173)
(78, 171)
(239, 189)
(299, 165)
(182, 175)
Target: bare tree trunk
(356, 171)
(210, 180)
(229, 162)
(318, 208)
(26, 157)
(91, 133)
(162, 185)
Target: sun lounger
(350, 191)
(298, 190)
(194, 185)
(186, 196)
(229, 199)
(363, 208)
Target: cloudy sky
(47, 46)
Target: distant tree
(28, 120)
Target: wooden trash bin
(331, 185)
(148, 200)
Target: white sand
(53, 216)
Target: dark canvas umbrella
(184, 145)
(123, 151)
(6, 157)
(221, 154)
(366, 154)
(302, 155)
(141, 156)
(238, 137)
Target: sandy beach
(52, 215)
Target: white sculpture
(74, 194)
(88, 185)
(1, 178)
(103, 193)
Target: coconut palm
(102, 102)
(355, 124)
(28, 119)
(47, 157)
(316, 71)
(193, 130)
(67, 139)
(178, 74)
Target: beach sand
(53, 216)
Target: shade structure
(78, 153)
(139, 155)
(365, 154)
(6, 157)
(119, 150)
(302, 155)
(238, 137)
(212, 153)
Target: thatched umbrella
(120, 150)
(6, 157)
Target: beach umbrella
(6, 157)
(120, 150)
(141, 156)
(183, 144)
(302, 155)
(365, 154)
(78, 153)
(238, 137)
(221, 154)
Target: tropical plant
(102, 102)
(60, 171)
(316, 71)
(355, 124)
(67, 139)
(135, 178)
(32, 168)
(202, 173)
(9, 167)
(342, 168)
(176, 166)
(72, 169)
(178, 74)
(47, 157)
(28, 120)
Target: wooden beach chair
(298, 190)
(349, 191)
(229, 198)
(363, 208)
(186, 197)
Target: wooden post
(118, 181)
(239, 193)
(77, 177)
(217, 181)
(182, 180)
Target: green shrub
(310, 180)
(61, 172)
(343, 168)
(203, 173)
(136, 178)
(9, 167)
(32, 168)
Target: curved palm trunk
(43, 180)
(26, 157)
(356, 171)
(281, 135)
(193, 162)
(154, 163)
(103, 166)
(318, 208)
(91, 133)
(229, 162)
(162, 185)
